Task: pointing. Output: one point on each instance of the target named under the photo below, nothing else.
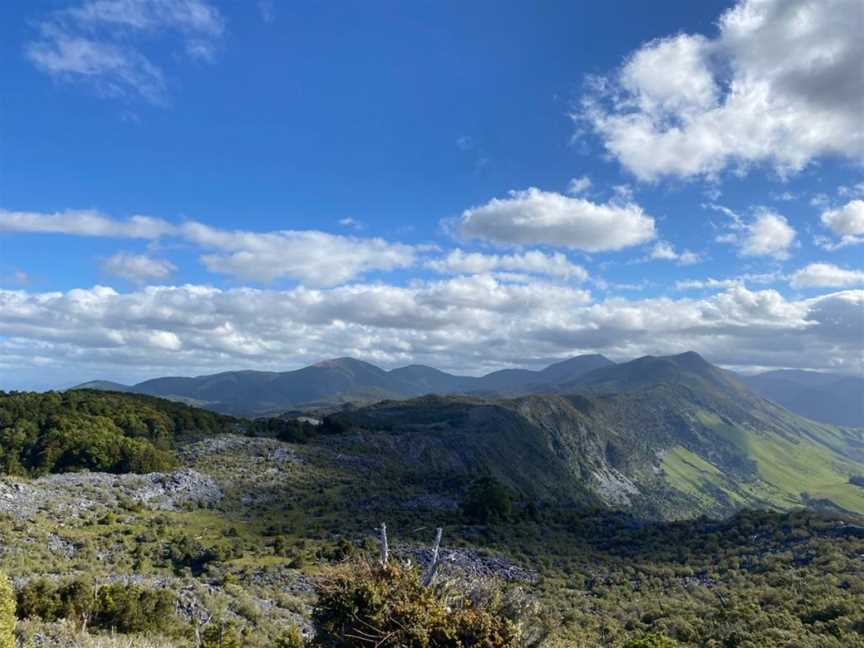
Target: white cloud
(84, 223)
(762, 279)
(353, 223)
(578, 186)
(474, 324)
(99, 42)
(139, 268)
(665, 251)
(768, 233)
(310, 256)
(847, 222)
(535, 217)
(701, 284)
(826, 275)
(531, 262)
(780, 84)
(317, 258)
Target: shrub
(120, 607)
(7, 613)
(387, 606)
(291, 639)
(652, 641)
(131, 608)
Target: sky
(192, 186)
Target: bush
(652, 641)
(120, 607)
(387, 606)
(131, 608)
(7, 613)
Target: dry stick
(385, 549)
(433, 566)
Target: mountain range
(662, 437)
(825, 397)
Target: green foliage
(487, 500)
(185, 551)
(291, 639)
(290, 430)
(90, 430)
(7, 613)
(219, 634)
(362, 604)
(118, 606)
(652, 641)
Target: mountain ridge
(344, 379)
(829, 398)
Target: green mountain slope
(662, 437)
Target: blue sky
(470, 188)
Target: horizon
(193, 187)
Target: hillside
(666, 437)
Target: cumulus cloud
(780, 84)
(710, 283)
(826, 275)
(99, 42)
(531, 262)
(665, 251)
(310, 256)
(846, 222)
(535, 217)
(467, 323)
(139, 268)
(767, 233)
(315, 257)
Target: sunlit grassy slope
(791, 469)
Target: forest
(55, 432)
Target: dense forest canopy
(51, 432)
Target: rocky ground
(231, 490)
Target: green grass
(790, 469)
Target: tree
(487, 500)
(7, 613)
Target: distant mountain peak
(344, 362)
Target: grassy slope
(815, 464)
